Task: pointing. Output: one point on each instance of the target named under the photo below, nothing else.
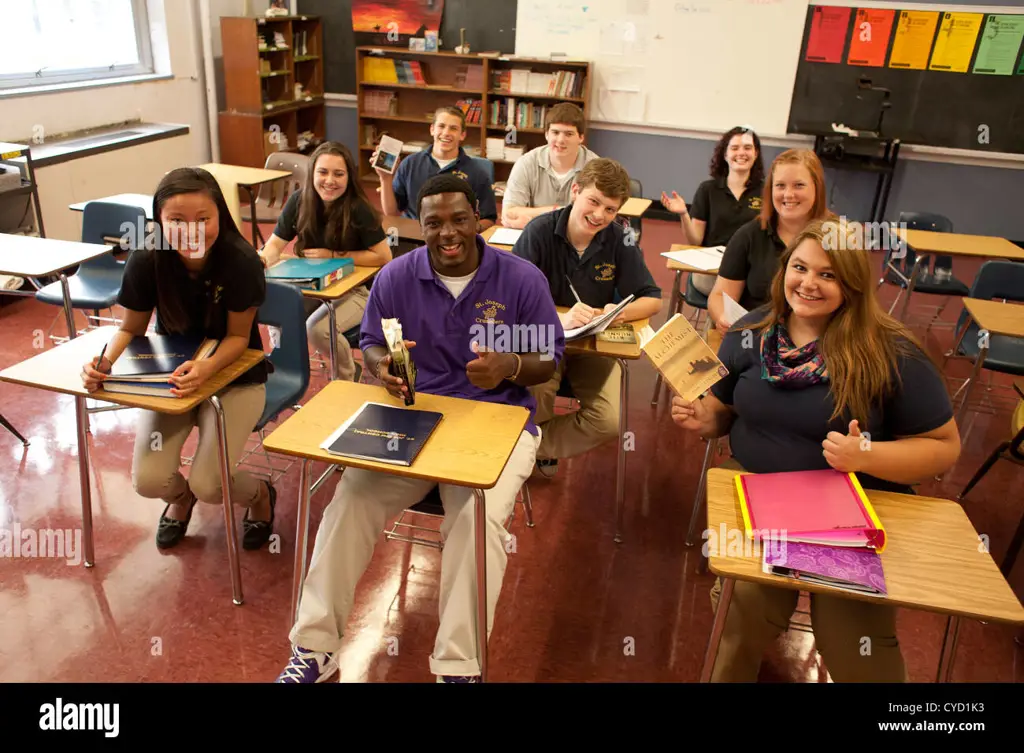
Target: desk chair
(938, 281)
(272, 197)
(996, 280)
(97, 282)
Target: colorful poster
(828, 34)
(871, 31)
(394, 22)
(955, 43)
(914, 33)
(1000, 43)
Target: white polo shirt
(533, 183)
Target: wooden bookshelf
(260, 82)
(408, 114)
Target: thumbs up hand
(845, 452)
(489, 368)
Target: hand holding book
(691, 415)
(190, 376)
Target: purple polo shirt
(507, 306)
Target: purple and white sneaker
(307, 666)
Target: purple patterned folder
(858, 570)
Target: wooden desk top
(59, 369)
(28, 256)
(996, 317)
(408, 229)
(244, 176)
(486, 235)
(958, 244)
(628, 351)
(635, 207)
(470, 447)
(141, 200)
(676, 266)
(343, 286)
(933, 560)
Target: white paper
(708, 259)
(600, 324)
(733, 311)
(505, 236)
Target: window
(48, 42)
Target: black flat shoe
(170, 532)
(256, 533)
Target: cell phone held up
(401, 365)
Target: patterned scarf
(784, 364)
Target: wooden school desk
(634, 207)
(246, 178)
(623, 353)
(141, 200)
(469, 448)
(486, 235)
(60, 370)
(933, 561)
(996, 318)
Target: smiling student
(541, 180)
(437, 292)
(332, 218)
(204, 280)
(582, 250)
(726, 202)
(398, 191)
(822, 377)
(794, 194)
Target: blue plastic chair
(97, 283)
(488, 167)
(289, 380)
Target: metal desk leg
(10, 427)
(229, 513)
(946, 657)
(332, 319)
(481, 582)
(301, 537)
(620, 471)
(701, 489)
(256, 235)
(673, 307)
(717, 629)
(978, 363)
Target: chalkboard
(958, 110)
(489, 25)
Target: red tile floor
(572, 600)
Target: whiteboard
(702, 65)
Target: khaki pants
(159, 438)
(351, 526)
(595, 382)
(348, 313)
(703, 283)
(857, 639)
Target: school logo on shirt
(755, 202)
(460, 174)
(605, 272)
(488, 312)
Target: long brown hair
(339, 229)
(862, 342)
(719, 168)
(808, 159)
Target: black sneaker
(256, 533)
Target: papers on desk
(598, 324)
(733, 311)
(505, 236)
(702, 258)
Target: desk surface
(28, 256)
(244, 176)
(486, 235)
(59, 369)
(676, 266)
(470, 447)
(635, 207)
(141, 200)
(996, 317)
(958, 244)
(344, 286)
(933, 560)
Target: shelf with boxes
(505, 99)
(273, 87)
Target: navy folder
(384, 434)
(153, 358)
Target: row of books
(497, 149)
(472, 109)
(508, 112)
(380, 102)
(390, 71)
(524, 81)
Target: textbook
(153, 358)
(856, 570)
(689, 365)
(311, 274)
(384, 434)
(401, 365)
(813, 507)
(598, 323)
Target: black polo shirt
(608, 266)
(715, 204)
(232, 280)
(752, 256)
(363, 233)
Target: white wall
(138, 169)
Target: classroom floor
(575, 606)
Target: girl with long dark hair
(331, 217)
(203, 279)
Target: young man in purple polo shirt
(458, 301)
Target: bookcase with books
(273, 86)
(505, 99)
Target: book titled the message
(684, 359)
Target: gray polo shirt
(532, 182)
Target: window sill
(32, 91)
(100, 140)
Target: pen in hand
(574, 293)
